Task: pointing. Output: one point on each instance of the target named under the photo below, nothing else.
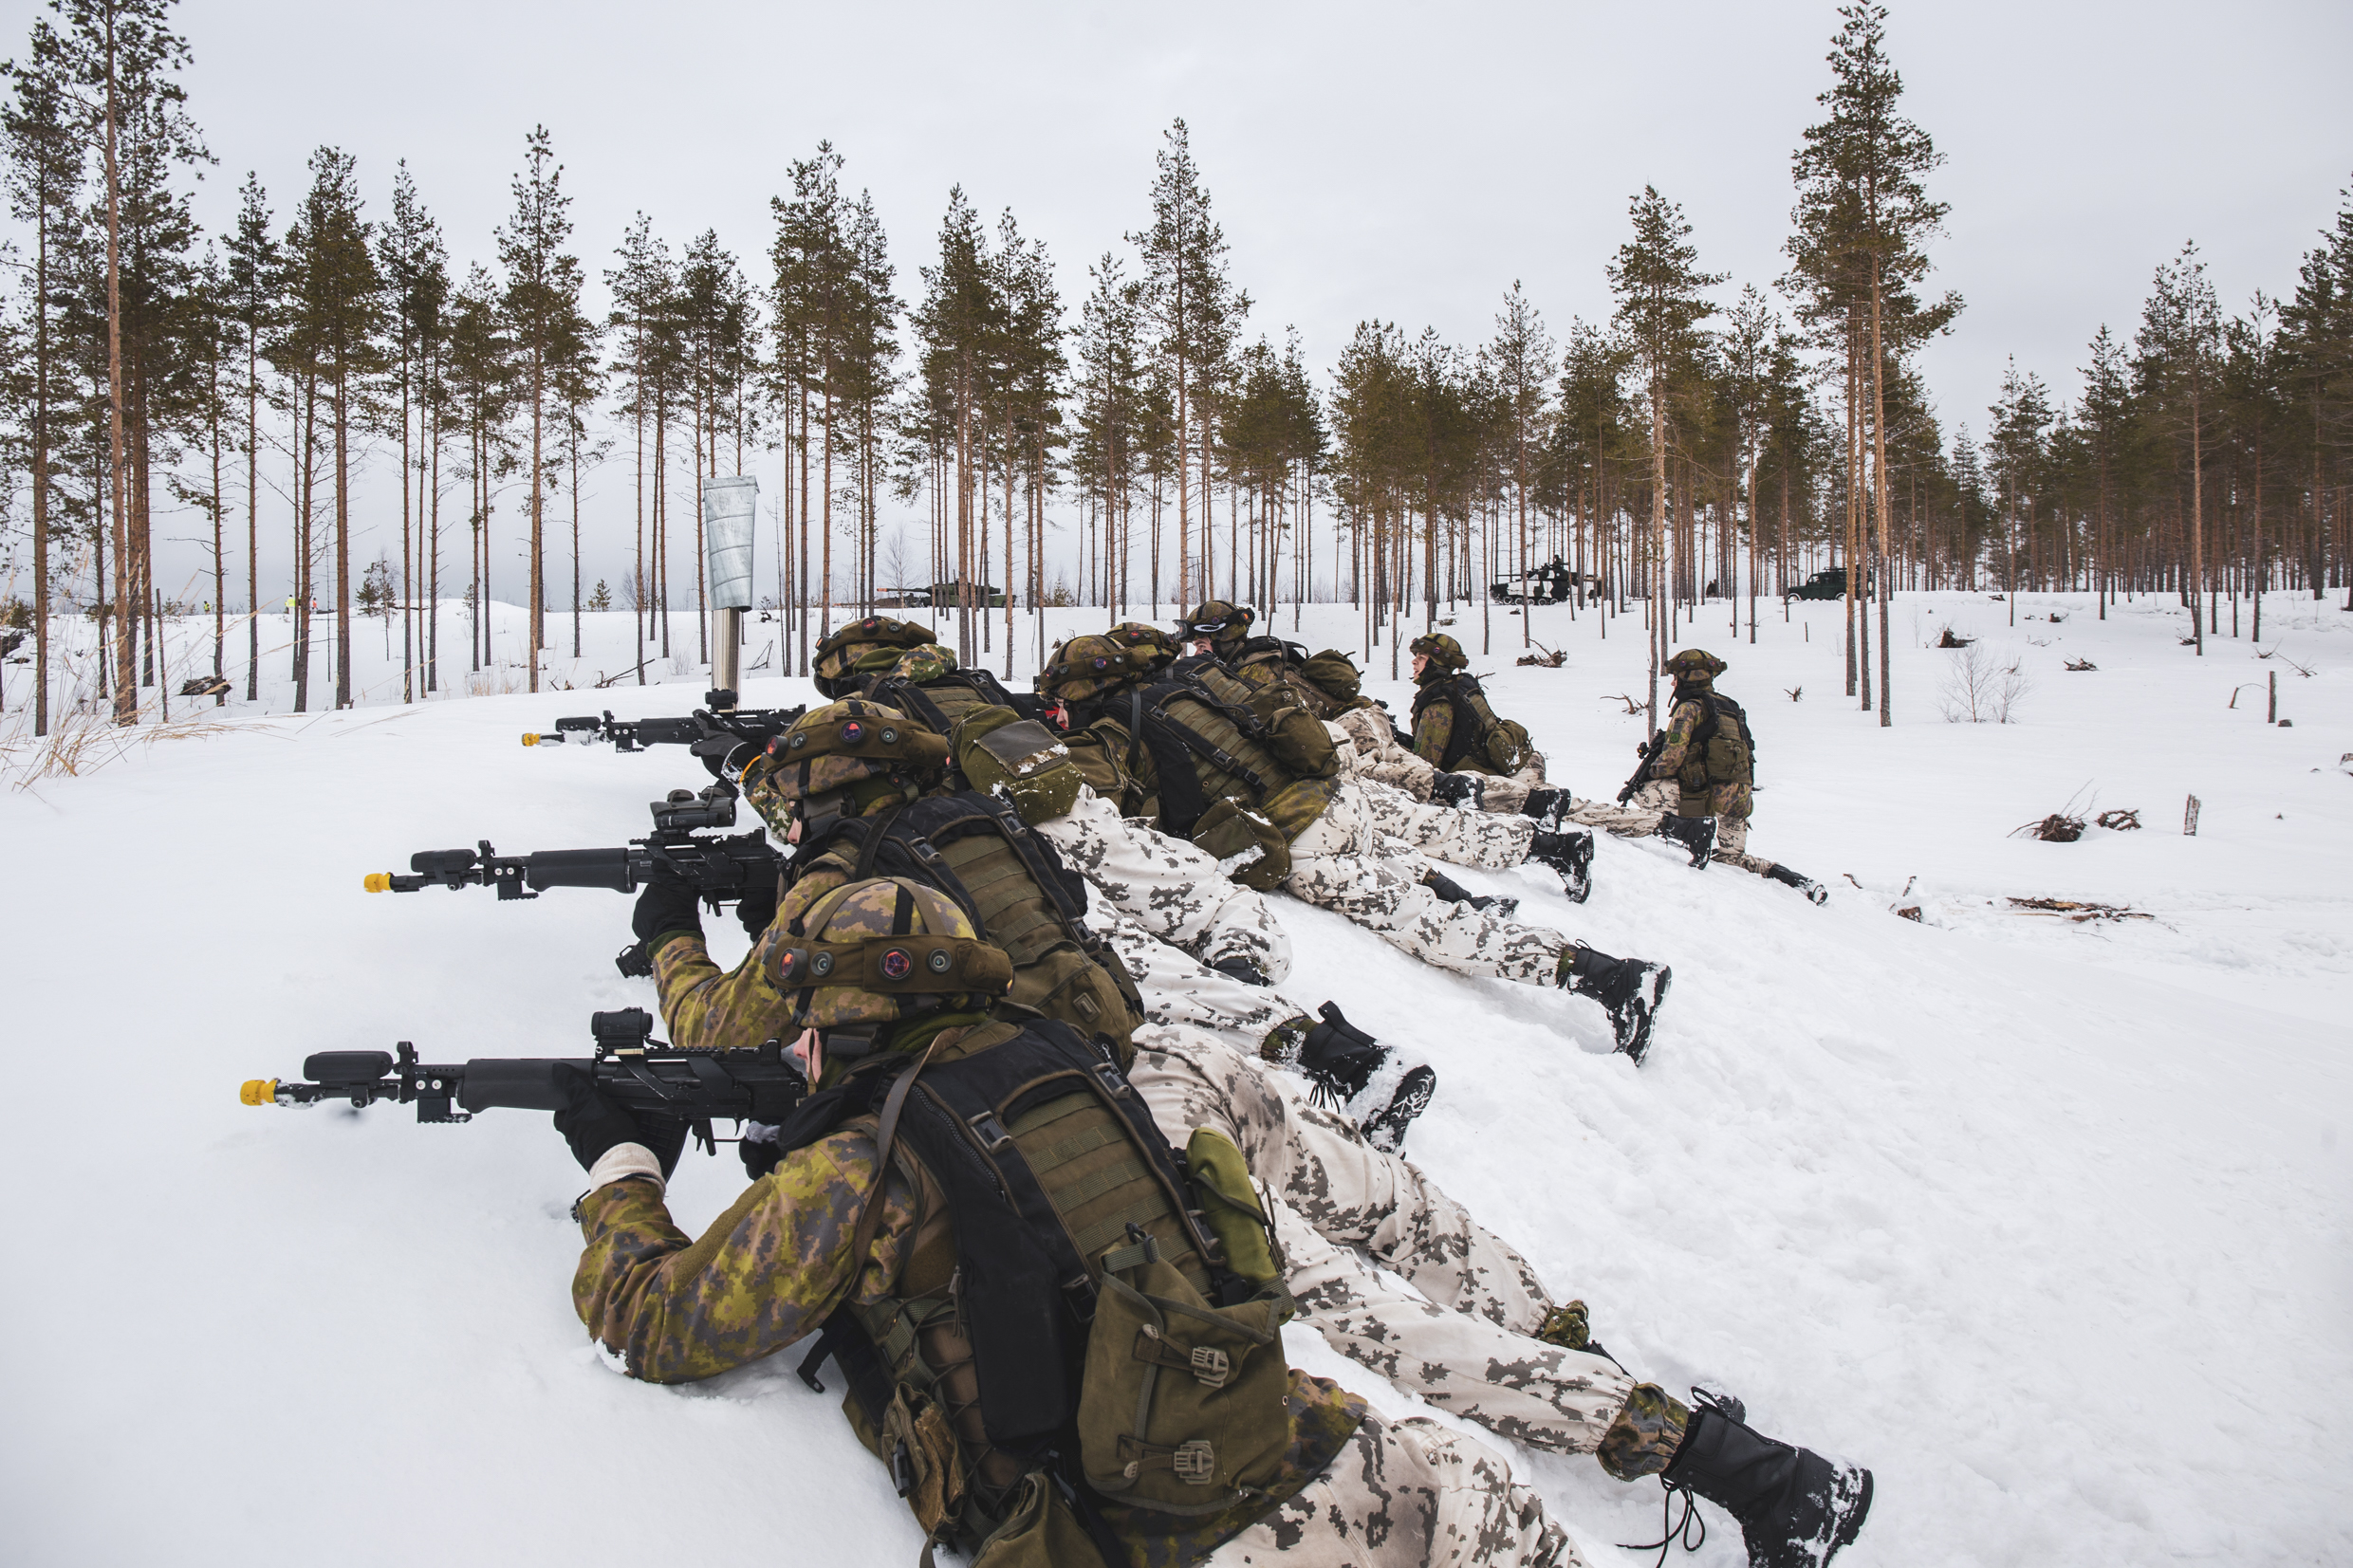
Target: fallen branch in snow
(2284, 659)
(1548, 660)
(1795, 693)
(2079, 665)
(2079, 912)
(2122, 820)
(1945, 639)
(605, 680)
(2189, 642)
(1632, 706)
(2057, 828)
(1912, 912)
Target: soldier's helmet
(1089, 666)
(839, 654)
(1146, 639)
(918, 665)
(834, 746)
(882, 951)
(1443, 652)
(1695, 667)
(1225, 625)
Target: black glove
(666, 905)
(756, 909)
(593, 1122)
(760, 1155)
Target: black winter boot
(1343, 1062)
(1632, 990)
(1466, 790)
(1243, 967)
(1549, 807)
(1455, 892)
(1696, 834)
(1571, 855)
(1815, 893)
(1795, 1508)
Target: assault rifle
(709, 733)
(719, 869)
(1641, 770)
(758, 1084)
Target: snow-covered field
(2046, 1221)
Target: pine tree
(1660, 303)
(1864, 217)
(1195, 308)
(2178, 358)
(542, 303)
(44, 172)
(416, 271)
(254, 284)
(643, 288)
(335, 305)
(1520, 357)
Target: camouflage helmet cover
(919, 665)
(834, 746)
(1145, 638)
(1088, 666)
(1442, 651)
(881, 951)
(1696, 666)
(1218, 621)
(842, 650)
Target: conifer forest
(402, 409)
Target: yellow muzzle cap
(377, 881)
(259, 1091)
(529, 739)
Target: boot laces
(1671, 1526)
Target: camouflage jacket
(1726, 799)
(772, 1269)
(709, 1009)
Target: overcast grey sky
(1405, 163)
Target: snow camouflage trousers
(1447, 833)
(1373, 755)
(1464, 1343)
(1171, 889)
(1339, 865)
(1638, 819)
(1400, 1494)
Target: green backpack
(1061, 1292)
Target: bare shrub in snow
(1980, 688)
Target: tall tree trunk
(126, 691)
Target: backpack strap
(870, 1217)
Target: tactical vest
(1480, 738)
(939, 703)
(1206, 745)
(1009, 1356)
(1016, 892)
(1720, 753)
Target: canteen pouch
(1040, 1531)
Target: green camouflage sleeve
(1433, 731)
(768, 1272)
(708, 1008)
(1681, 725)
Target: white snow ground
(2045, 1222)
